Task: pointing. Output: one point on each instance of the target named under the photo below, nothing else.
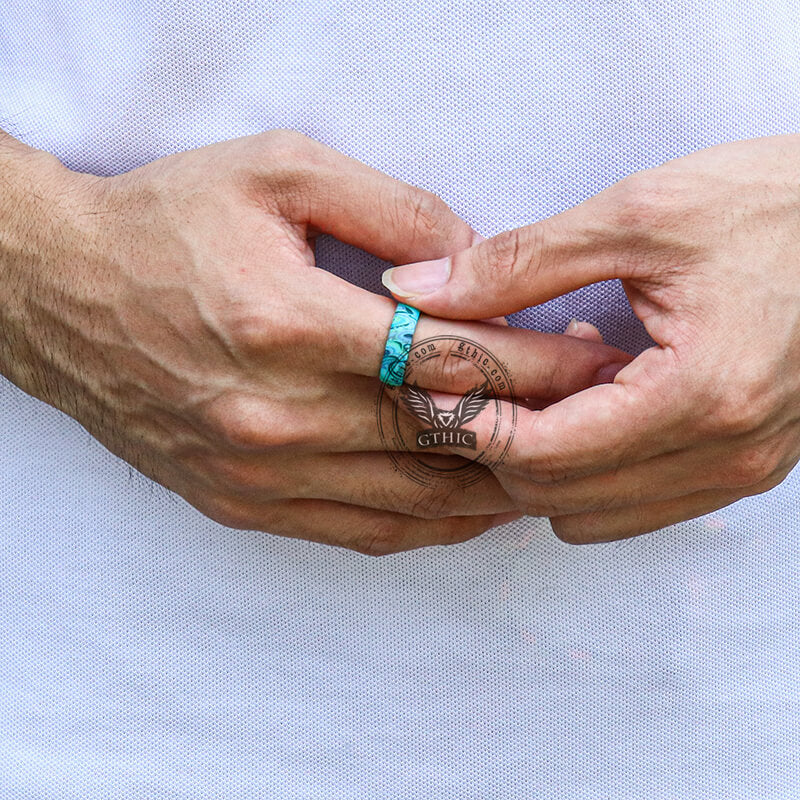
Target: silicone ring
(398, 344)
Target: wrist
(35, 190)
(28, 180)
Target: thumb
(512, 271)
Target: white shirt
(148, 652)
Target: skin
(176, 312)
(708, 250)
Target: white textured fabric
(147, 652)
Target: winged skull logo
(445, 426)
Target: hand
(176, 313)
(708, 250)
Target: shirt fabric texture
(147, 652)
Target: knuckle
(284, 144)
(544, 468)
(741, 410)
(774, 479)
(642, 201)
(571, 531)
(532, 499)
(243, 477)
(540, 502)
(396, 535)
(449, 374)
(227, 511)
(502, 258)
(426, 210)
(537, 507)
(596, 527)
(242, 421)
(453, 530)
(428, 503)
(414, 500)
(236, 422)
(253, 334)
(380, 539)
(752, 466)
(282, 172)
(247, 333)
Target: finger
(523, 267)
(606, 526)
(351, 328)
(714, 466)
(367, 479)
(580, 330)
(347, 417)
(338, 195)
(601, 428)
(339, 418)
(367, 531)
(542, 365)
(583, 330)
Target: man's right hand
(176, 312)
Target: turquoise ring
(398, 344)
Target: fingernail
(607, 373)
(412, 280)
(583, 330)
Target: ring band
(398, 344)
